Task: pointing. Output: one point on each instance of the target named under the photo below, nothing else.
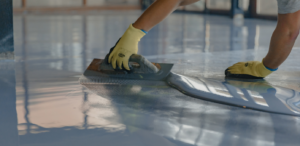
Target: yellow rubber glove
(126, 46)
(248, 70)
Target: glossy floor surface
(44, 104)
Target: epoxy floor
(45, 105)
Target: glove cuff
(264, 71)
(133, 33)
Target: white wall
(74, 3)
(53, 3)
(112, 2)
(219, 4)
(267, 7)
(17, 3)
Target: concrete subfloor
(45, 105)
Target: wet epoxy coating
(45, 105)
(253, 94)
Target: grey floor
(49, 107)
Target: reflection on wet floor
(253, 94)
(182, 118)
(52, 108)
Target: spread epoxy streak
(257, 95)
(251, 94)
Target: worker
(281, 44)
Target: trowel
(140, 69)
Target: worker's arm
(158, 11)
(281, 44)
(283, 39)
(128, 44)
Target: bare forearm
(158, 11)
(280, 48)
(283, 39)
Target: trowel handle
(144, 63)
(136, 58)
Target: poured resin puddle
(258, 95)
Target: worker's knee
(187, 2)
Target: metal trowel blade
(94, 71)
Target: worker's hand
(126, 46)
(248, 70)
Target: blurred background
(252, 8)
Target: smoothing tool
(140, 69)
